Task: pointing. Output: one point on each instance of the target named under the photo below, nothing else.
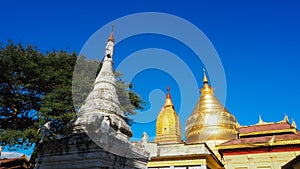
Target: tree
(36, 88)
(20, 94)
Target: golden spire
(111, 36)
(210, 120)
(168, 96)
(206, 89)
(169, 102)
(167, 124)
(205, 80)
(294, 124)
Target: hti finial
(168, 93)
(111, 36)
(205, 80)
(168, 99)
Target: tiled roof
(265, 127)
(263, 139)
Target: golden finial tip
(205, 79)
(168, 99)
(168, 93)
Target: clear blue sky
(258, 43)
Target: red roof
(265, 127)
(263, 139)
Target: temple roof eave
(253, 145)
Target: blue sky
(257, 41)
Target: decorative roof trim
(292, 130)
(253, 145)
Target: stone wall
(79, 151)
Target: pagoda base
(80, 152)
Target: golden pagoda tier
(167, 125)
(210, 121)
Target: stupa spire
(169, 102)
(205, 79)
(167, 125)
(111, 36)
(102, 102)
(168, 96)
(206, 89)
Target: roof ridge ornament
(286, 118)
(260, 121)
(294, 124)
(271, 141)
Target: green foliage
(83, 80)
(57, 102)
(129, 99)
(36, 88)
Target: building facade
(214, 139)
(262, 146)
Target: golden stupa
(167, 125)
(210, 120)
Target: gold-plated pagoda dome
(210, 120)
(167, 124)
